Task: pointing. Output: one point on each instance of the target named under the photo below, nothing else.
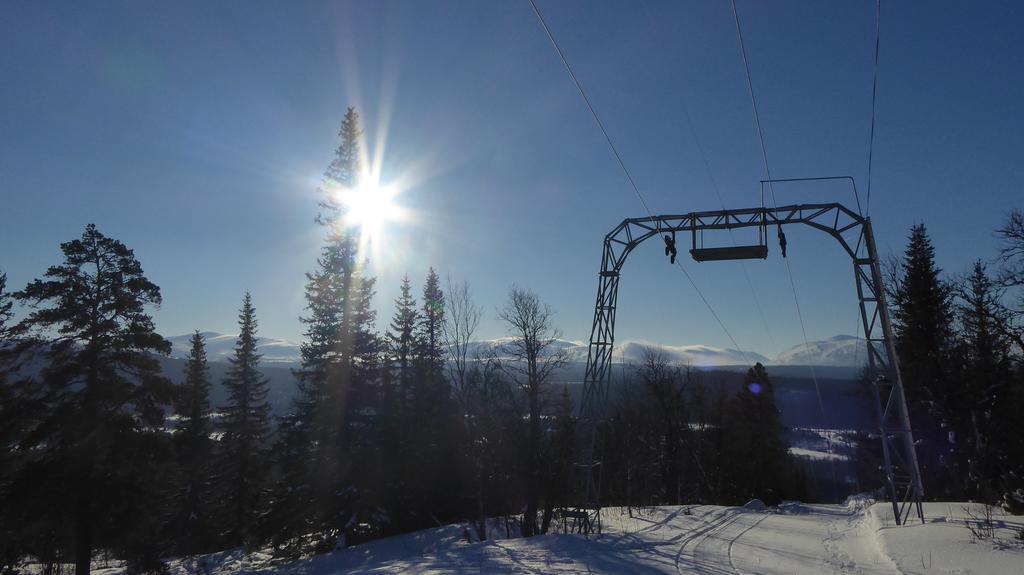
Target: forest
(402, 426)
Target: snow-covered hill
(795, 538)
(696, 355)
(633, 352)
(838, 351)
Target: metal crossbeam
(853, 232)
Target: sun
(368, 207)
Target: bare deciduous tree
(462, 317)
(1011, 255)
(1012, 252)
(529, 360)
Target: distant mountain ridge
(219, 347)
(837, 351)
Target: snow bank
(944, 544)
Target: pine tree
(94, 435)
(245, 426)
(190, 523)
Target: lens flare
(368, 207)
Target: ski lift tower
(902, 478)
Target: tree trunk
(533, 466)
(83, 533)
(481, 529)
(545, 522)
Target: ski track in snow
(795, 538)
(693, 557)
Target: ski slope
(856, 538)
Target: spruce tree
(431, 464)
(308, 442)
(398, 431)
(323, 481)
(982, 415)
(344, 170)
(94, 435)
(6, 364)
(5, 309)
(291, 505)
(245, 426)
(352, 378)
(756, 453)
(190, 522)
(358, 379)
(403, 339)
(312, 430)
(10, 548)
(431, 327)
(923, 324)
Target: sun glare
(369, 207)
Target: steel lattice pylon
(853, 232)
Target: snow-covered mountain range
(220, 346)
(838, 351)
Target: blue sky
(196, 133)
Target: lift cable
(789, 269)
(874, 92)
(718, 193)
(590, 106)
(753, 101)
(625, 170)
(732, 238)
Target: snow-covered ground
(822, 444)
(710, 540)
